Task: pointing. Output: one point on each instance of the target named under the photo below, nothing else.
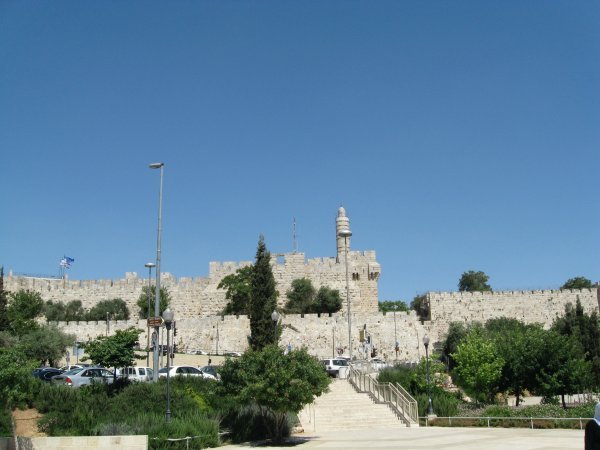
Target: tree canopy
(276, 382)
(390, 306)
(116, 309)
(577, 283)
(478, 366)
(116, 350)
(420, 304)
(300, 297)
(46, 344)
(472, 281)
(23, 308)
(142, 303)
(303, 298)
(327, 300)
(3, 303)
(237, 286)
(263, 300)
(585, 329)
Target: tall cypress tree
(263, 300)
(3, 303)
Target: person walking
(592, 431)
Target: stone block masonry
(321, 335)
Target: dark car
(46, 373)
(211, 370)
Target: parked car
(332, 365)
(185, 371)
(196, 352)
(46, 373)
(378, 364)
(136, 373)
(234, 354)
(74, 366)
(83, 377)
(212, 371)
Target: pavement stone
(435, 438)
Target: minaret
(341, 223)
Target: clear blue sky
(457, 134)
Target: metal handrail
(488, 418)
(396, 397)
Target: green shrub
(127, 408)
(248, 423)
(5, 422)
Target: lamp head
(168, 316)
(275, 316)
(426, 340)
(156, 165)
(149, 265)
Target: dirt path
(26, 422)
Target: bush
(249, 423)
(136, 408)
(444, 403)
(5, 422)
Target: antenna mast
(294, 238)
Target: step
(342, 408)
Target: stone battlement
(501, 294)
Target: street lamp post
(157, 292)
(168, 319)
(149, 265)
(430, 406)
(275, 316)
(396, 346)
(333, 339)
(346, 233)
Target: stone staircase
(342, 408)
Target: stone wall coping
(505, 293)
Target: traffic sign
(155, 321)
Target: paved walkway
(438, 438)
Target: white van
(136, 373)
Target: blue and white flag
(66, 262)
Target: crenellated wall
(319, 334)
(541, 306)
(200, 297)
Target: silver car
(184, 371)
(84, 377)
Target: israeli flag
(66, 262)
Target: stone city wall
(321, 335)
(527, 306)
(200, 297)
(197, 304)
